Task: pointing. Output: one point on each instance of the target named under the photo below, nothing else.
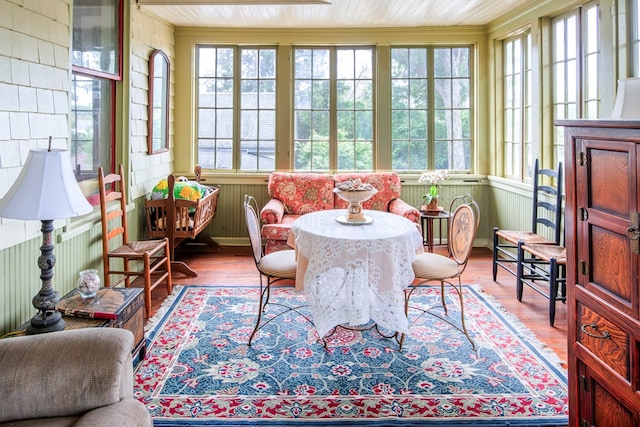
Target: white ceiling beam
(226, 2)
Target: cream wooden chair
(276, 266)
(429, 267)
(146, 259)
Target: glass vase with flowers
(433, 180)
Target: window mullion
(237, 87)
(522, 106)
(333, 110)
(431, 110)
(580, 64)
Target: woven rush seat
(135, 248)
(543, 269)
(546, 252)
(527, 237)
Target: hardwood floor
(234, 266)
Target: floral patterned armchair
(294, 194)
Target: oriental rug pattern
(199, 370)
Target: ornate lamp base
(48, 319)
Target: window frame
(518, 166)
(332, 109)
(381, 112)
(237, 137)
(470, 108)
(582, 32)
(108, 118)
(432, 110)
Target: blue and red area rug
(199, 370)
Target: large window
(410, 108)
(96, 64)
(576, 50)
(518, 135)
(236, 107)
(333, 109)
(431, 108)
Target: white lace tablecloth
(352, 274)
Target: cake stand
(354, 211)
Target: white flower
(435, 177)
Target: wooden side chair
(148, 260)
(275, 266)
(546, 225)
(429, 267)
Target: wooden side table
(427, 220)
(110, 308)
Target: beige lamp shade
(46, 189)
(627, 104)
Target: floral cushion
(387, 183)
(279, 231)
(316, 193)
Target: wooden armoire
(602, 165)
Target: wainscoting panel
(21, 274)
(513, 211)
(229, 225)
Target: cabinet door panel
(599, 405)
(606, 197)
(608, 174)
(608, 268)
(609, 411)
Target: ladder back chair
(546, 225)
(146, 260)
(430, 267)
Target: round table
(352, 274)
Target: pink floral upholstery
(295, 194)
(387, 183)
(301, 193)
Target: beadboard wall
(80, 247)
(228, 228)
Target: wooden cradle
(190, 219)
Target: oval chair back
(463, 228)
(253, 227)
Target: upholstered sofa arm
(68, 374)
(272, 212)
(402, 208)
(126, 413)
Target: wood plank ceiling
(329, 13)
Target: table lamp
(627, 104)
(46, 189)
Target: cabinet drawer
(604, 339)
